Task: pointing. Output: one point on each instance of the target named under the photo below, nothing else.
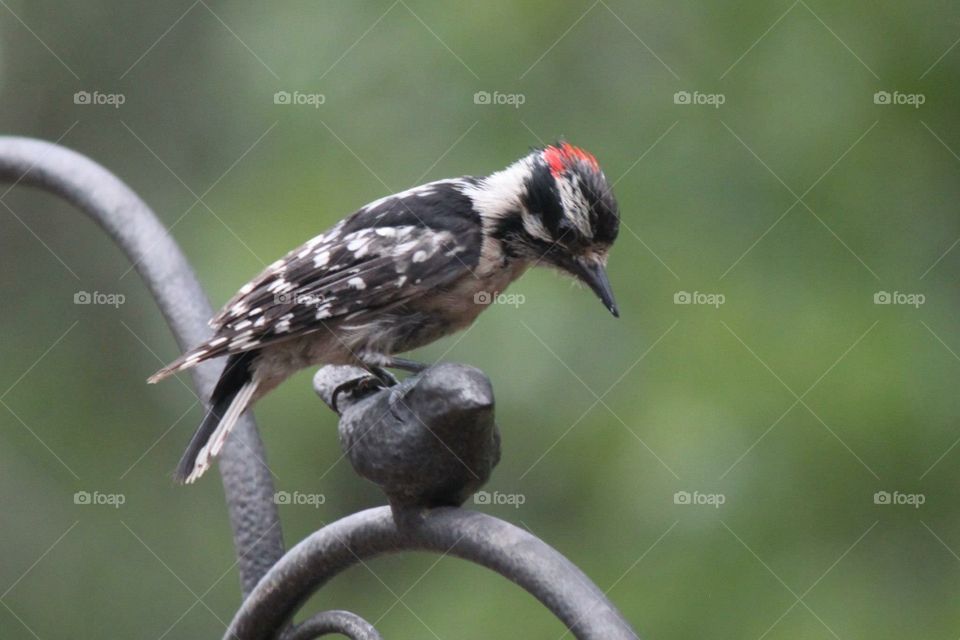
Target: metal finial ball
(428, 441)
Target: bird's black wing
(383, 255)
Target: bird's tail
(232, 395)
(211, 349)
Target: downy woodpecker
(402, 272)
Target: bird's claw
(356, 388)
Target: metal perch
(428, 442)
(327, 622)
(134, 228)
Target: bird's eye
(570, 236)
(565, 230)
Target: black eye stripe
(543, 199)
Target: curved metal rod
(480, 538)
(134, 228)
(336, 621)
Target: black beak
(595, 276)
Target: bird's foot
(360, 387)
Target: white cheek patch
(574, 204)
(534, 226)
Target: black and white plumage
(402, 272)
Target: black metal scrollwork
(429, 442)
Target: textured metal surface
(327, 622)
(480, 538)
(428, 441)
(135, 229)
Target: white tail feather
(217, 439)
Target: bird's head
(555, 207)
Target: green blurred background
(797, 200)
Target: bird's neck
(500, 194)
(501, 200)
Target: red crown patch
(560, 158)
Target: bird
(400, 273)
